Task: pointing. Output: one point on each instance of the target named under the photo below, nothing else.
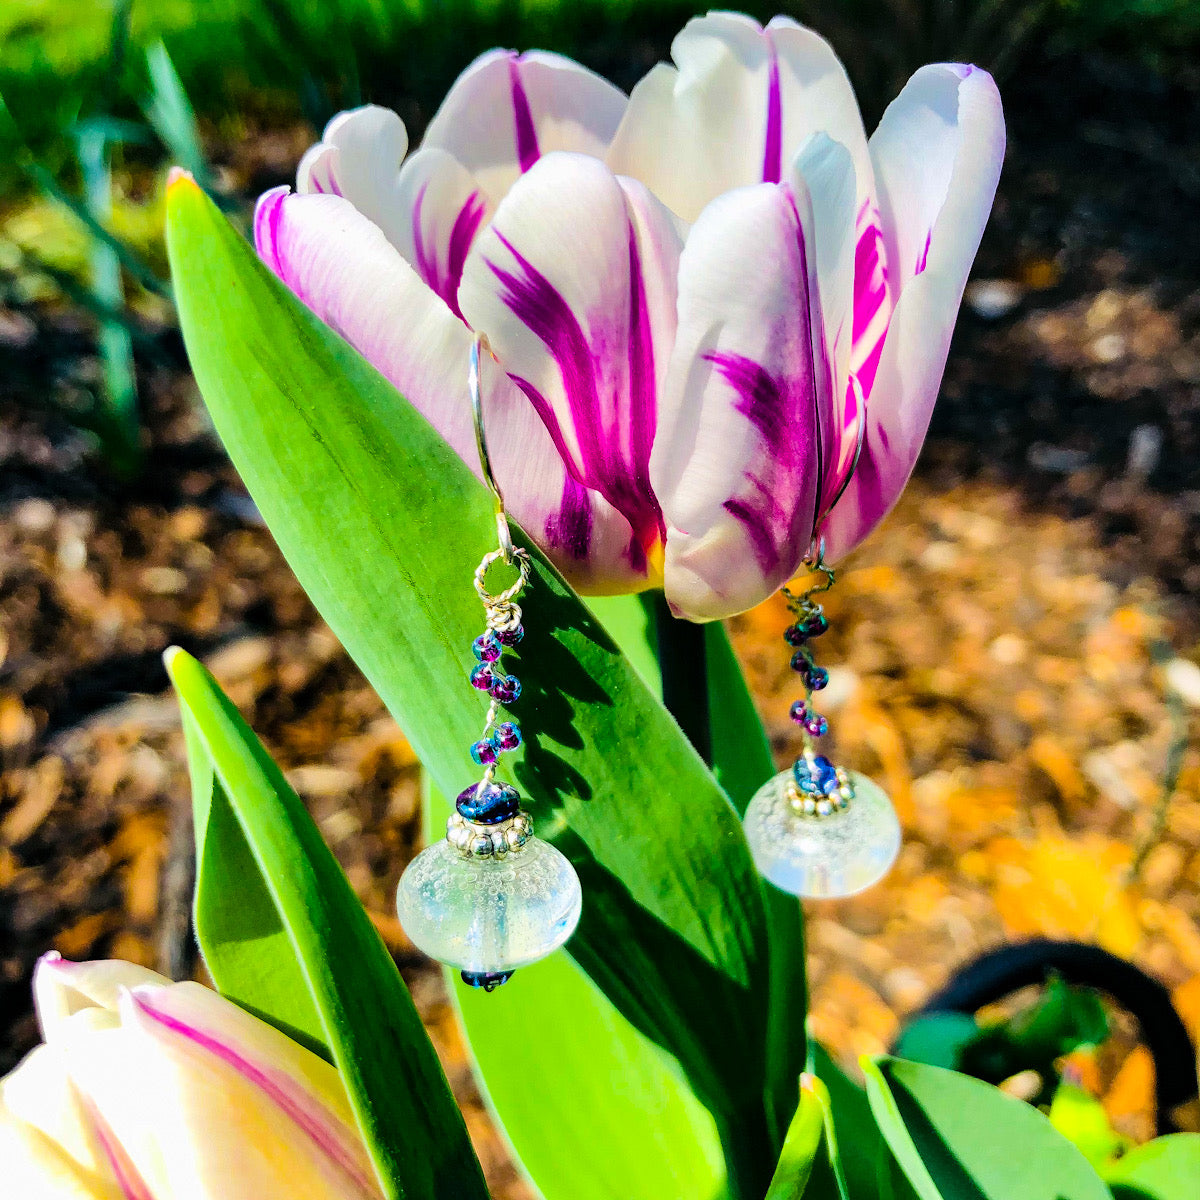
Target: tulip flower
(719, 314)
(150, 1090)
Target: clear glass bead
(822, 857)
(490, 914)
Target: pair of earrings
(491, 897)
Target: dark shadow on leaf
(953, 1180)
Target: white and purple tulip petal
(343, 268)
(53, 1144)
(734, 110)
(943, 134)
(196, 1030)
(938, 153)
(506, 110)
(747, 428)
(62, 988)
(358, 158)
(574, 285)
(198, 1099)
(446, 209)
(824, 169)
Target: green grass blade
(275, 912)
(172, 117)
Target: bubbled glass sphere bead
(822, 857)
(489, 915)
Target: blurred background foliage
(235, 55)
(96, 96)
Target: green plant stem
(682, 660)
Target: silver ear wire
(485, 462)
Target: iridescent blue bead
(798, 712)
(824, 774)
(814, 625)
(804, 778)
(817, 678)
(816, 725)
(794, 635)
(488, 980)
(507, 736)
(483, 677)
(484, 753)
(486, 647)
(510, 637)
(489, 804)
(801, 661)
(506, 689)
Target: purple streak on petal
(872, 305)
(129, 1179)
(773, 148)
(526, 135)
(764, 401)
(923, 257)
(425, 254)
(327, 1132)
(268, 213)
(570, 529)
(462, 234)
(786, 412)
(819, 374)
(643, 393)
(602, 461)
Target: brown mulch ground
(1005, 652)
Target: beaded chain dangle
(491, 897)
(817, 830)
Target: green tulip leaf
(958, 1138)
(851, 1116)
(384, 527)
(800, 1146)
(591, 1108)
(742, 763)
(283, 934)
(1168, 1168)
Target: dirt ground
(1013, 655)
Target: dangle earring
(490, 896)
(816, 830)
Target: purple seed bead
(484, 753)
(817, 679)
(506, 689)
(794, 635)
(507, 736)
(510, 637)
(486, 647)
(801, 661)
(798, 712)
(816, 725)
(814, 625)
(483, 678)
